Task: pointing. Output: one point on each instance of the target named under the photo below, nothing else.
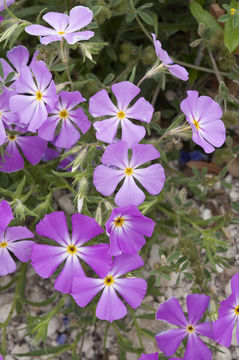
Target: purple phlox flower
(110, 307)
(153, 356)
(65, 112)
(171, 312)
(1, 358)
(64, 26)
(127, 228)
(177, 70)
(6, 115)
(9, 237)
(35, 88)
(228, 316)
(117, 167)
(32, 148)
(18, 57)
(50, 154)
(203, 115)
(8, 3)
(101, 105)
(46, 258)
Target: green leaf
(203, 16)
(109, 78)
(10, 76)
(46, 351)
(146, 18)
(1, 71)
(231, 36)
(132, 76)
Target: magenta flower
(118, 167)
(110, 307)
(35, 88)
(171, 312)
(203, 115)
(1, 358)
(153, 356)
(8, 3)
(65, 112)
(101, 105)
(64, 26)
(32, 148)
(228, 316)
(8, 241)
(177, 70)
(46, 258)
(6, 116)
(127, 228)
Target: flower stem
(64, 57)
(140, 22)
(136, 326)
(9, 11)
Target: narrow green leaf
(203, 16)
(46, 351)
(146, 18)
(231, 36)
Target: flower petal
(123, 264)
(45, 259)
(6, 214)
(124, 92)
(42, 74)
(32, 147)
(101, 105)
(171, 312)
(97, 257)
(80, 119)
(214, 132)
(13, 160)
(196, 349)
(47, 130)
(57, 20)
(142, 153)
(106, 130)
(169, 341)
(205, 329)
(79, 17)
(106, 179)
(179, 71)
(142, 110)
(116, 154)
(198, 139)
(129, 193)
(48, 39)
(25, 106)
(133, 290)
(22, 249)
(78, 36)
(54, 226)
(151, 178)
(18, 56)
(132, 134)
(223, 328)
(39, 30)
(14, 233)
(110, 307)
(197, 305)
(84, 289)
(68, 135)
(235, 285)
(84, 228)
(8, 265)
(71, 268)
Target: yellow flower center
(232, 11)
(11, 137)
(128, 171)
(3, 244)
(71, 249)
(196, 123)
(61, 32)
(190, 329)
(119, 221)
(237, 310)
(39, 95)
(121, 115)
(109, 280)
(63, 114)
(0, 114)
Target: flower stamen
(236, 310)
(128, 171)
(232, 11)
(109, 280)
(12, 137)
(190, 329)
(196, 123)
(71, 249)
(39, 96)
(119, 221)
(61, 32)
(121, 115)
(63, 114)
(3, 244)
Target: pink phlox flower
(177, 70)
(117, 167)
(228, 316)
(127, 227)
(203, 115)
(46, 258)
(31, 146)
(9, 241)
(69, 117)
(101, 105)
(64, 26)
(168, 341)
(35, 89)
(110, 307)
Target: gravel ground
(58, 332)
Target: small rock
(66, 204)
(53, 326)
(154, 256)
(206, 214)
(234, 195)
(226, 355)
(21, 349)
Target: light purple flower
(8, 3)
(171, 312)
(32, 148)
(8, 241)
(153, 356)
(64, 26)
(177, 70)
(203, 115)
(65, 112)
(1, 358)
(35, 88)
(127, 228)
(117, 167)
(101, 105)
(228, 316)
(110, 307)
(46, 258)
(6, 116)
